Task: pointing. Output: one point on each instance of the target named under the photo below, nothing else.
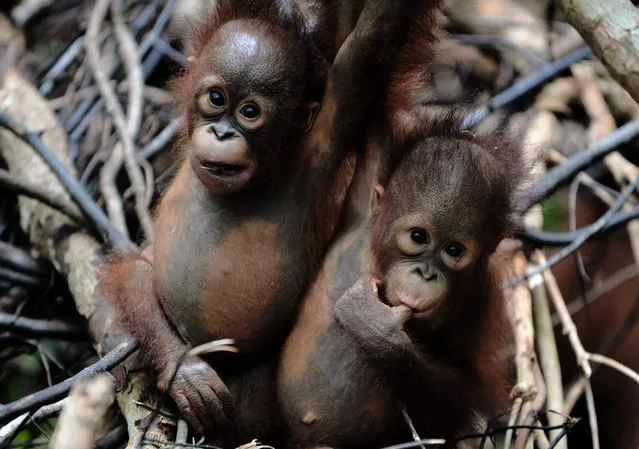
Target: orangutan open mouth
(224, 170)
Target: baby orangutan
(268, 143)
(404, 315)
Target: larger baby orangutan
(404, 315)
(244, 225)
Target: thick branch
(74, 253)
(41, 328)
(611, 28)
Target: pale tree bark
(54, 236)
(83, 416)
(611, 29)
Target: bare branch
(611, 363)
(135, 78)
(56, 392)
(548, 355)
(37, 192)
(115, 109)
(73, 187)
(84, 413)
(570, 330)
(74, 253)
(41, 328)
(611, 28)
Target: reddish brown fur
(410, 90)
(495, 146)
(325, 376)
(410, 87)
(215, 272)
(330, 373)
(131, 277)
(331, 22)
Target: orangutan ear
(377, 196)
(313, 109)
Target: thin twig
(430, 442)
(135, 80)
(512, 419)
(605, 194)
(139, 23)
(590, 231)
(519, 303)
(570, 330)
(592, 415)
(21, 278)
(525, 85)
(543, 238)
(500, 41)
(530, 411)
(11, 429)
(70, 97)
(60, 65)
(153, 94)
(578, 386)
(573, 192)
(612, 363)
(562, 174)
(110, 192)
(47, 411)
(160, 141)
(600, 288)
(115, 110)
(20, 260)
(45, 364)
(171, 52)
(541, 439)
(558, 438)
(547, 350)
(51, 394)
(602, 123)
(152, 36)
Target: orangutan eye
(413, 241)
(250, 111)
(419, 236)
(217, 98)
(455, 250)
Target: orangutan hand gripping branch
(244, 226)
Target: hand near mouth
(375, 326)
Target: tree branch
(74, 253)
(611, 29)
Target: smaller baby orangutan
(405, 314)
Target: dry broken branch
(83, 415)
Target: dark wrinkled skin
(233, 254)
